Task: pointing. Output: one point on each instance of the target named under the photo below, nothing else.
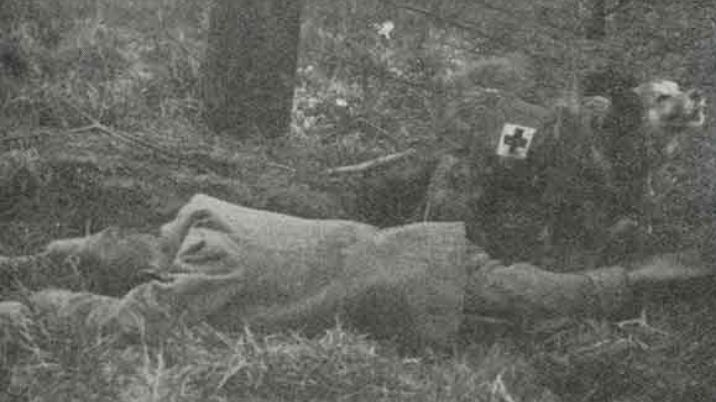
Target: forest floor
(135, 66)
(99, 177)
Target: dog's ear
(651, 92)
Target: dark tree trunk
(597, 24)
(706, 70)
(250, 66)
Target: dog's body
(644, 127)
(670, 114)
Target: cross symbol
(516, 140)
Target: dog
(633, 130)
(670, 114)
(645, 125)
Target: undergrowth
(106, 121)
(204, 365)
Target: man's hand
(669, 267)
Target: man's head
(113, 261)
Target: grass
(581, 360)
(204, 365)
(112, 62)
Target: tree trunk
(597, 24)
(250, 66)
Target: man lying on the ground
(233, 267)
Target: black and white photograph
(342, 200)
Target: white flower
(385, 29)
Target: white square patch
(515, 141)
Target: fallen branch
(83, 129)
(363, 166)
(95, 124)
(281, 166)
(380, 131)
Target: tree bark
(250, 66)
(597, 24)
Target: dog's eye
(662, 97)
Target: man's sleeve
(532, 293)
(154, 308)
(149, 311)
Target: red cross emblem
(515, 141)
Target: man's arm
(524, 290)
(153, 308)
(149, 311)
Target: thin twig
(373, 163)
(281, 166)
(82, 129)
(380, 130)
(127, 137)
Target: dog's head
(666, 105)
